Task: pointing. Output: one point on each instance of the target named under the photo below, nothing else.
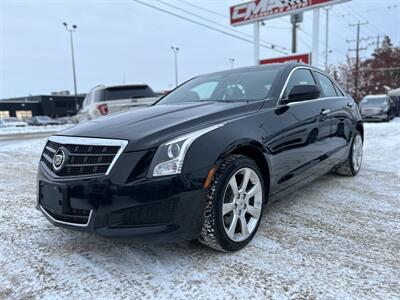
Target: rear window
(374, 100)
(131, 92)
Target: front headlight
(170, 156)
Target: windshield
(237, 86)
(374, 101)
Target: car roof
(376, 96)
(283, 66)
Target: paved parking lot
(337, 238)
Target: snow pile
(32, 129)
(337, 238)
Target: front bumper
(375, 117)
(160, 209)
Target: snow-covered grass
(337, 238)
(32, 129)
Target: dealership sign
(303, 58)
(267, 9)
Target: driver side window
(299, 77)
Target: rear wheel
(234, 205)
(353, 163)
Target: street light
(176, 50)
(232, 61)
(71, 30)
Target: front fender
(210, 149)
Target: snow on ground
(337, 238)
(32, 129)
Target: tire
(352, 165)
(226, 206)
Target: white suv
(102, 100)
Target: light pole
(232, 61)
(71, 30)
(176, 50)
(327, 38)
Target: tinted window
(326, 85)
(338, 91)
(374, 100)
(250, 85)
(127, 92)
(299, 77)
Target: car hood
(148, 127)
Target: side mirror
(304, 92)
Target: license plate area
(54, 197)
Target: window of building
(23, 114)
(4, 114)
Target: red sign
(267, 9)
(304, 58)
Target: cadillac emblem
(59, 159)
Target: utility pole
(357, 50)
(315, 38)
(232, 61)
(256, 30)
(378, 38)
(72, 30)
(176, 50)
(327, 38)
(295, 19)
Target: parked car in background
(377, 108)
(12, 122)
(42, 121)
(102, 100)
(67, 120)
(202, 162)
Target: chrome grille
(86, 157)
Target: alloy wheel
(357, 152)
(242, 204)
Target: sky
(126, 42)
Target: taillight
(103, 109)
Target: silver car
(377, 108)
(102, 100)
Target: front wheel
(234, 205)
(353, 163)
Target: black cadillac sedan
(202, 162)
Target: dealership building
(43, 105)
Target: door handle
(325, 112)
(350, 105)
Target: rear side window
(299, 77)
(326, 85)
(130, 92)
(338, 91)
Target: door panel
(341, 109)
(301, 146)
(341, 127)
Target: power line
(216, 23)
(220, 14)
(204, 9)
(321, 42)
(374, 9)
(357, 50)
(206, 26)
(371, 27)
